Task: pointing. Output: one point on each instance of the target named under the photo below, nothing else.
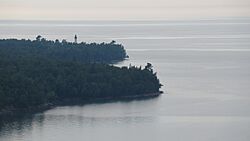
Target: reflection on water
(14, 126)
(24, 126)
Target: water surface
(203, 65)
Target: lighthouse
(75, 39)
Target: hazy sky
(122, 9)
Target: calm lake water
(203, 65)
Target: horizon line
(121, 20)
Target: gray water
(203, 65)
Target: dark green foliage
(28, 78)
(64, 51)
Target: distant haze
(122, 9)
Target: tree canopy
(36, 72)
(64, 51)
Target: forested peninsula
(38, 72)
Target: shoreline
(74, 101)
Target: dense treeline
(28, 79)
(33, 82)
(66, 51)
